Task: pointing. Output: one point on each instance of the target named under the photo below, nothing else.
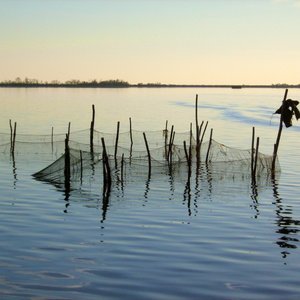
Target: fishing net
(128, 157)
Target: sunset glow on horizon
(172, 42)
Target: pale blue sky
(179, 41)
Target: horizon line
(18, 82)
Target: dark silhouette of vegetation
(116, 83)
(18, 82)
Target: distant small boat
(236, 86)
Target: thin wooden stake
(197, 126)
(92, 130)
(185, 151)
(209, 145)
(11, 136)
(171, 152)
(131, 140)
(14, 137)
(191, 136)
(256, 158)
(202, 137)
(130, 128)
(106, 167)
(190, 152)
(170, 144)
(276, 146)
(188, 160)
(149, 156)
(104, 164)
(81, 166)
(122, 168)
(198, 145)
(69, 128)
(52, 130)
(67, 170)
(165, 132)
(252, 150)
(117, 140)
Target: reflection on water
(254, 197)
(210, 183)
(287, 225)
(14, 169)
(209, 179)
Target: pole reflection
(254, 197)
(14, 170)
(287, 226)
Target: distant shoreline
(80, 85)
(117, 83)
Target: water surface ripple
(221, 237)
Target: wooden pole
(198, 132)
(104, 163)
(256, 158)
(188, 160)
(52, 130)
(11, 136)
(67, 170)
(170, 144)
(106, 167)
(117, 140)
(252, 151)
(14, 137)
(166, 138)
(92, 130)
(209, 145)
(191, 136)
(122, 168)
(197, 126)
(188, 155)
(190, 152)
(81, 166)
(185, 151)
(149, 156)
(69, 128)
(131, 140)
(276, 145)
(130, 128)
(171, 152)
(198, 145)
(202, 137)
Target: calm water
(225, 239)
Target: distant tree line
(117, 83)
(27, 82)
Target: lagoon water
(226, 239)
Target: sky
(157, 41)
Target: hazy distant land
(32, 83)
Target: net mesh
(130, 157)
